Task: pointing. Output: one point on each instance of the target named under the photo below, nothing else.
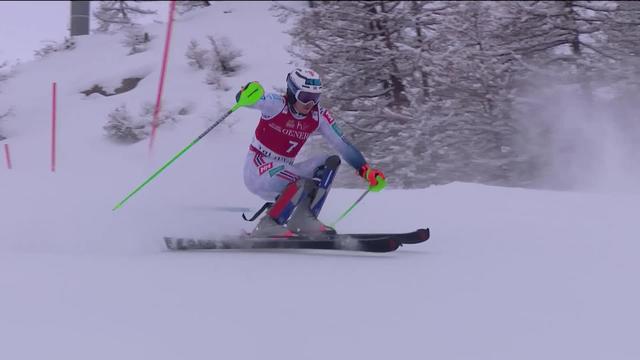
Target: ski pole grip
(250, 94)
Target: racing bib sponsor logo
(301, 135)
(264, 168)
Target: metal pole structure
(80, 18)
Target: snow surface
(508, 274)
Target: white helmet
(303, 85)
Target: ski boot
(298, 206)
(305, 217)
(268, 227)
(303, 220)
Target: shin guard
(324, 178)
(288, 200)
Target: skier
(295, 192)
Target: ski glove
(375, 178)
(241, 90)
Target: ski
(353, 242)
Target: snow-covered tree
(4, 72)
(136, 39)
(183, 7)
(621, 38)
(221, 60)
(353, 45)
(423, 89)
(224, 56)
(54, 46)
(124, 128)
(562, 41)
(472, 136)
(5, 111)
(198, 57)
(571, 50)
(437, 91)
(118, 13)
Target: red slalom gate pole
(163, 71)
(53, 127)
(7, 156)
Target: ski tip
(421, 235)
(424, 234)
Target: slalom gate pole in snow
(7, 156)
(54, 93)
(163, 73)
(249, 96)
(350, 208)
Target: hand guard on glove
(375, 178)
(241, 90)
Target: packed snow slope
(508, 274)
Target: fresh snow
(508, 274)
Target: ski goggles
(306, 97)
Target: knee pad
(326, 172)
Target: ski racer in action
(296, 191)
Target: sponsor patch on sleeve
(327, 116)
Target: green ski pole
(351, 208)
(249, 96)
